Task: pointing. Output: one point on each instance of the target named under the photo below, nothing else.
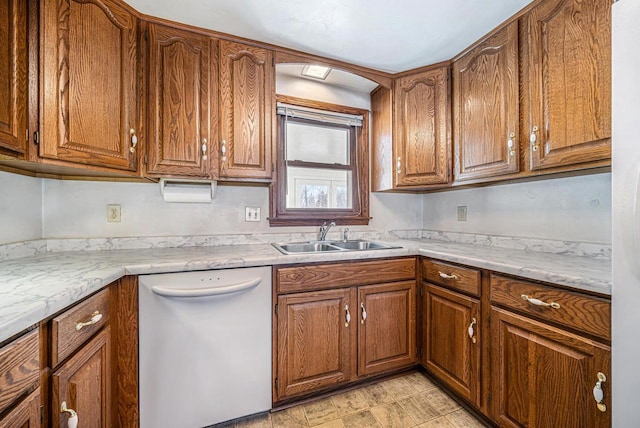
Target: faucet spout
(324, 229)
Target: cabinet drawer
(19, 367)
(577, 311)
(332, 275)
(72, 328)
(452, 276)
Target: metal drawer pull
(448, 276)
(598, 393)
(348, 316)
(204, 149)
(223, 149)
(398, 165)
(72, 422)
(539, 302)
(470, 330)
(95, 319)
(533, 138)
(511, 144)
(364, 313)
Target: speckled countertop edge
(34, 288)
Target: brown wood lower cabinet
(84, 384)
(544, 376)
(451, 340)
(26, 414)
(339, 333)
(315, 340)
(387, 326)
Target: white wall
(20, 208)
(573, 209)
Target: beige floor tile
(441, 422)
(349, 402)
(376, 394)
(362, 419)
(398, 387)
(263, 421)
(419, 408)
(463, 419)
(292, 417)
(420, 382)
(320, 412)
(392, 415)
(333, 424)
(441, 401)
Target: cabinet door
(246, 111)
(182, 70)
(485, 105)
(451, 340)
(24, 415)
(387, 327)
(544, 376)
(84, 383)
(569, 82)
(316, 340)
(89, 72)
(423, 145)
(13, 76)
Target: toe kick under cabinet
(523, 353)
(336, 323)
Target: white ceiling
(388, 35)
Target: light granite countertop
(34, 288)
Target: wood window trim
(359, 214)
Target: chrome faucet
(324, 229)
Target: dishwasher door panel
(204, 360)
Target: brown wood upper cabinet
(485, 105)
(89, 69)
(90, 114)
(13, 77)
(182, 97)
(247, 110)
(568, 72)
(411, 140)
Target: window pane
(315, 143)
(316, 188)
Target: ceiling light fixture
(316, 71)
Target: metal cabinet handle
(347, 316)
(398, 165)
(533, 138)
(204, 149)
(511, 144)
(470, 330)
(364, 314)
(134, 140)
(598, 393)
(447, 275)
(539, 302)
(223, 149)
(95, 319)
(72, 422)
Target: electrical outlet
(462, 213)
(251, 213)
(113, 213)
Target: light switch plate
(251, 213)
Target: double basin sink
(330, 246)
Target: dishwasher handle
(205, 292)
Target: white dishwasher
(205, 346)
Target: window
(322, 166)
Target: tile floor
(408, 401)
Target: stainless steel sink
(312, 247)
(360, 245)
(306, 247)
